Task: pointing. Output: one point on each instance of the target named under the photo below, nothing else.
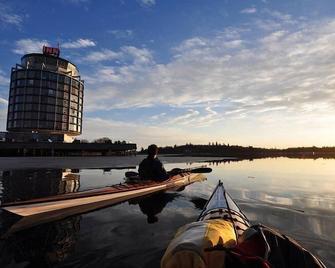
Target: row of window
(43, 125)
(44, 75)
(50, 97)
(45, 116)
(21, 104)
(45, 85)
(30, 107)
(44, 92)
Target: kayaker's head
(152, 151)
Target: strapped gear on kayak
(222, 237)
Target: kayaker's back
(152, 168)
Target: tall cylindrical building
(46, 96)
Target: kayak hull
(34, 213)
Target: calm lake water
(295, 196)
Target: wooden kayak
(41, 210)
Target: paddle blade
(131, 174)
(192, 170)
(202, 170)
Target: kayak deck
(221, 206)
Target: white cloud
(138, 55)
(126, 54)
(4, 81)
(286, 73)
(25, 46)
(147, 3)
(77, 2)
(79, 43)
(103, 55)
(3, 101)
(250, 10)
(158, 116)
(8, 17)
(3, 113)
(122, 34)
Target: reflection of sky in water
(295, 196)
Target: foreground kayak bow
(222, 237)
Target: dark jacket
(152, 169)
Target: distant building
(45, 110)
(45, 99)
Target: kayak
(222, 236)
(41, 210)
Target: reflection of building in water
(33, 183)
(42, 246)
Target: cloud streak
(147, 3)
(29, 45)
(8, 16)
(250, 10)
(79, 43)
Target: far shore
(81, 162)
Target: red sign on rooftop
(53, 51)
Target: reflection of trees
(43, 245)
(154, 204)
(34, 183)
(221, 161)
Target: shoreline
(87, 162)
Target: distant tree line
(226, 150)
(101, 140)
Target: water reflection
(18, 185)
(294, 196)
(153, 205)
(41, 246)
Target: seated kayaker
(151, 168)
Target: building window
(72, 127)
(29, 98)
(51, 92)
(28, 107)
(74, 91)
(31, 74)
(73, 112)
(73, 120)
(36, 99)
(67, 80)
(45, 75)
(21, 74)
(20, 83)
(61, 78)
(74, 98)
(53, 77)
(20, 91)
(50, 117)
(74, 105)
(51, 108)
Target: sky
(258, 72)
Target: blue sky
(171, 71)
